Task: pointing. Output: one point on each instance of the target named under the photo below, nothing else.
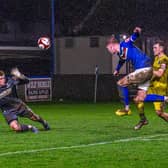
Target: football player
(158, 84)
(127, 51)
(12, 107)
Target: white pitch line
(142, 138)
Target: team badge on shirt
(123, 54)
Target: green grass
(82, 124)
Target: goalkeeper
(12, 107)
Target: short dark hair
(161, 43)
(111, 40)
(2, 73)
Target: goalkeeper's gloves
(15, 72)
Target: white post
(95, 86)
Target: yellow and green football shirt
(158, 85)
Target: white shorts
(141, 77)
(144, 86)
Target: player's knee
(15, 126)
(122, 82)
(119, 83)
(141, 94)
(159, 113)
(35, 117)
(137, 99)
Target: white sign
(38, 89)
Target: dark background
(72, 15)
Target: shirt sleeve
(134, 36)
(120, 64)
(20, 81)
(163, 64)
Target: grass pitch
(86, 136)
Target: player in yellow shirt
(158, 84)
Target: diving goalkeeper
(12, 107)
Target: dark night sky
(110, 16)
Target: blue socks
(154, 98)
(124, 94)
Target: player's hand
(15, 72)
(115, 73)
(137, 30)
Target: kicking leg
(34, 117)
(160, 111)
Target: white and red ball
(44, 43)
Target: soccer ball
(44, 43)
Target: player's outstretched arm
(136, 33)
(19, 76)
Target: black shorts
(21, 110)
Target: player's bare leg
(37, 118)
(16, 126)
(137, 77)
(160, 111)
(162, 115)
(34, 117)
(123, 83)
(141, 94)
